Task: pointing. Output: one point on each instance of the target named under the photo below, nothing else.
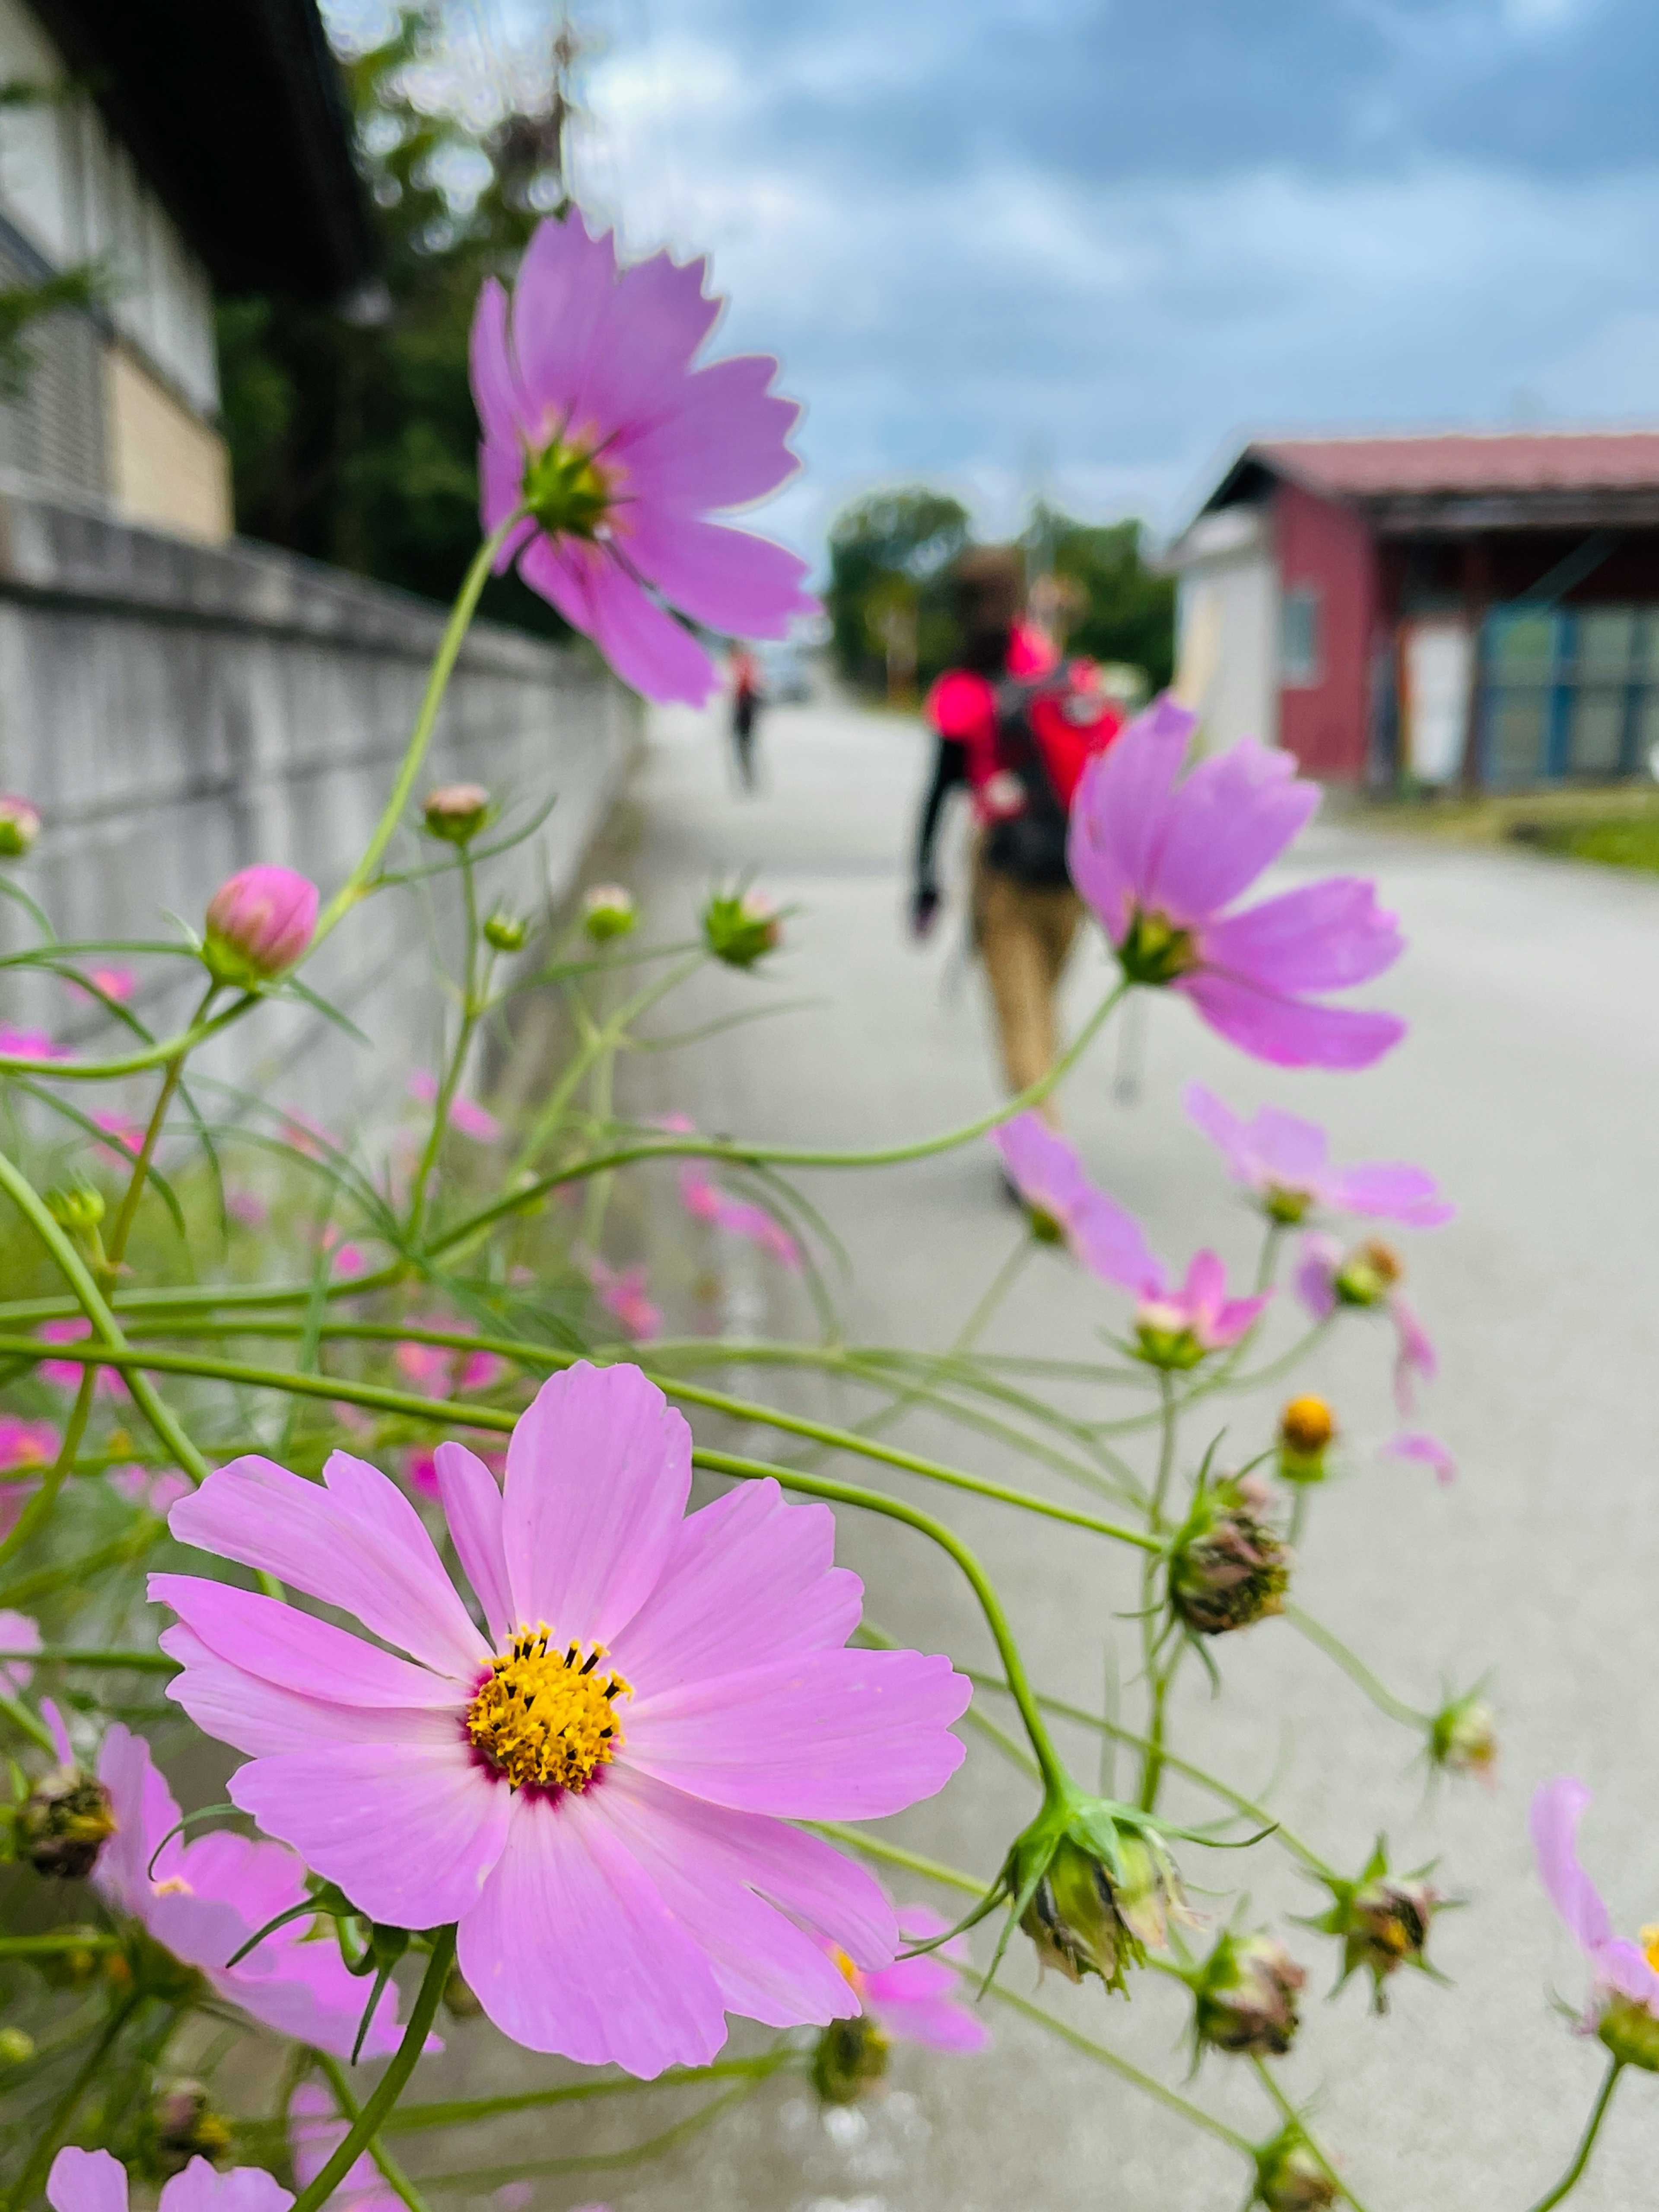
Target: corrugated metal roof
(1467, 461)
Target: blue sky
(1095, 243)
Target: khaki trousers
(1024, 933)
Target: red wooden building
(1476, 608)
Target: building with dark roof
(1474, 608)
(185, 146)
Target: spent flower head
(1245, 1996)
(1228, 1566)
(1463, 1738)
(1290, 2177)
(1382, 1921)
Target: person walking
(1019, 728)
(746, 697)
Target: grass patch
(1631, 843)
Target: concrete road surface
(1530, 1084)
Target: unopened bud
(20, 826)
(1289, 2179)
(506, 932)
(608, 910)
(1246, 1998)
(457, 811)
(850, 2056)
(460, 1999)
(1463, 1737)
(77, 1207)
(63, 1823)
(1228, 1568)
(1084, 1920)
(16, 2046)
(1307, 1428)
(259, 923)
(1630, 2031)
(181, 2124)
(1368, 1274)
(739, 928)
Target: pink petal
(764, 1965)
(1121, 809)
(17, 1634)
(88, 2181)
(1321, 937)
(834, 1735)
(658, 317)
(1227, 1131)
(1291, 1152)
(560, 304)
(571, 1949)
(281, 1644)
(472, 1507)
(359, 1544)
(748, 1579)
(261, 1719)
(493, 392)
(317, 2133)
(1316, 1275)
(410, 1831)
(1045, 1167)
(243, 2189)
(1415, 1355)
(1558, 1806)
(1290, 1032)
(647, 649)
(721, 440)
(63, 1750)
(729, 579)
(598, 1471)
(144, 1809)
(1388, 1190)
(1236, 812)
(1416, 1445)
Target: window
(1298, 637)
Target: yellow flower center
(544, 1714)
(851, 1972)
(1648, 1939)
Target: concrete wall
(177, 712)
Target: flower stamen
(546, 1718)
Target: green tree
(1128, 611)
(352, 433)
(889, 555)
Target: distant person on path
(746, 697)
(1019, 728)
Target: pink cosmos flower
(464, 1113)
(17, 1634)
(1161, 861)
(22, 1444)
(619, 1862)
(921, 2000)
(344, 1257)
(201, 1901)
(623, 1294)
(1415, 1443)
(259, 921)
(705, 1201)
(67, 1373)
(123, 1133)
(1369, 1277)
(95, 2181)
(30, 1044)
(441, 1369)
(117, 983)
(318, 2132)
(1287, 1161)
(307, 1136)
(594, 417)
(156, 1489)
(1621, 1968)
(247, 1207)
(1106, 1238)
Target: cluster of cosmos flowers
(590, 1730)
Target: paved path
(1531, 1086)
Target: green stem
(155, 1055)
(1292, 2118)
(39, 2165)
(791, 1156)
(360, 881)
(452, 1076)
(387, 2090)
(25, 1722)
(1574, 2173)
(1355, 1670)
(464, 2111)
(174, 1070)
(141, 1663)
(392, 2174)
(1152, 1764)
(38, 1508)
(50, 1946)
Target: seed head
(63, 1823)
(1228, 1568)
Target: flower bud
(457, 811)
(608, 910)
(62, 1822)
(1630, 2031)
(1382, 1920)
(181, 2124)
(1307, 1428)
(1289, 2179)
(1368, 1274)
(77, 1207)
(1227, 1567)
(1164, 1336)
(739, 928)
(259, 923)
(850, 2056)
(1086, 1920)
(1245, 1994)
(461, 2000)
(506, 932)
(1463, 1737)
(20, 826)
(16, 2046)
